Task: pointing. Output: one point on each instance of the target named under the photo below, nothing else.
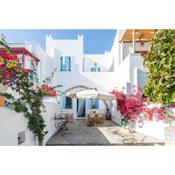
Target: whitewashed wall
(73, 48)
(127, 71)
(104, 61)
(127, 47)
(122, 74)
(11, 123)
(100, 80)
(152, 128)
(141, 78)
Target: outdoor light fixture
(142, 44)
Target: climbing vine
(30, 97)
(160, 63)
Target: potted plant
(2, 101)
(108, 114)
(2, 98)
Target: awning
(141, 35)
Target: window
(67, 102)
(95, 68)
(65, 63)
(95, 104)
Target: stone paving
(103, 134)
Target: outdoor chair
(60, 124)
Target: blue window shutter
(89, 104)
(63, 102)
(69, 63)
(66, 63)
(71, 104)
(61, 63)
(97, 104)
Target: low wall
(153, 129)
(13, 124)
(150, 128)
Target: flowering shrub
(13, 75)
(49, 91)
(8, 65)
(157, 113)
(129, 105)
(132, 105)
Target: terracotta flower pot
(2, 101)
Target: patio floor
(104, 134)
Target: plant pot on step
(2, 101)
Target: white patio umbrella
(92, 94)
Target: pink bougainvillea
(132, 105)
(156, 112)
(129, 105)
(50, 91)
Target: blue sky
(95, 41)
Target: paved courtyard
(103, 134)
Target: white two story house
(120, 67)
(78, 69)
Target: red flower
(13, 68)
(27, 71)
(50, 90)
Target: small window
(67, 102)
(95, 68)
(65, 63)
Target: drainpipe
(133, 40)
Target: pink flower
(27, 71)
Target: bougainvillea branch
(131, 106)
(13, 75)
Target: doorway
(81, 108)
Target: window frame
(65, 63)
(64, 102)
